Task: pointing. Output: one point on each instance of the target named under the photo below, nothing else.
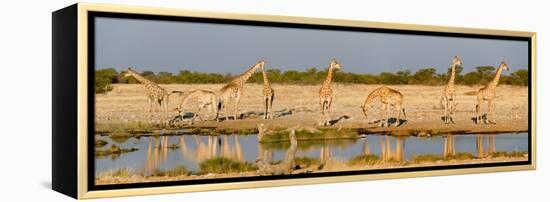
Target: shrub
(313, 76)
(176, 171)
(426, 158)
(368, 159)
(224, 165)
(305, 161)
(103, 80)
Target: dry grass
(362, 160)
(127, 106)
(224, 165)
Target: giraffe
(488, 93)
(234, 89)
(325, 94)
(449, 92)
(286, 166)
(388, 97)
(156, 94)
(203, 99)
(269, 95)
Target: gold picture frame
(71, 174)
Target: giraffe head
(260, 64)
(457, 61)
(334, 64)
(504, 65)
(365, 110)
(179, 109)
(128, 72)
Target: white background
(25, 100)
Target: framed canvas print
(155, 100)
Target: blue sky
(173, 46)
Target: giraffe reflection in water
(389, 154)
(214, 146)
(449, 146)
(157, 153)
(484, 148)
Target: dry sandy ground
(340, 167)
(298, 105)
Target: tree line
(426, 76)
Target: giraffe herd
(215, 102)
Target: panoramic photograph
(178, 100)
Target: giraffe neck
(328, 80)
(140, 78)
(246, 75)
(453, 74)
(266, 81)
(370, 98)
(495, 80)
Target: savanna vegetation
(426, 76)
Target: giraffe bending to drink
(489, 94)
(388, 97)
(269, 95)
(234, 89)
(203, 99)
(156, 95)
(449, 92)
(325, 95)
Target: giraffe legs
(196, 114)
(271, 107)
(151, 110)
(491, 106)
(322, 117)
(449, 109)
(237, 100)
(388, 112)
(398, 120)
(446, 115)
(452, 109)
(266, 111)
(386, 121)
(328, 110)
(478, 110)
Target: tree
(426, 76)
(388, 78)
(404, 76)
(486, 73)
(472, 78)
(519, 78)
(103, 80)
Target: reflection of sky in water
(198, 149)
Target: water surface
(166, 152)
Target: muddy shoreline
(246, 127)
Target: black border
(91, 98)
(64, 100)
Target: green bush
(518, 78)
(103, 80)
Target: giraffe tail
(404, 115)
(471, 93)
